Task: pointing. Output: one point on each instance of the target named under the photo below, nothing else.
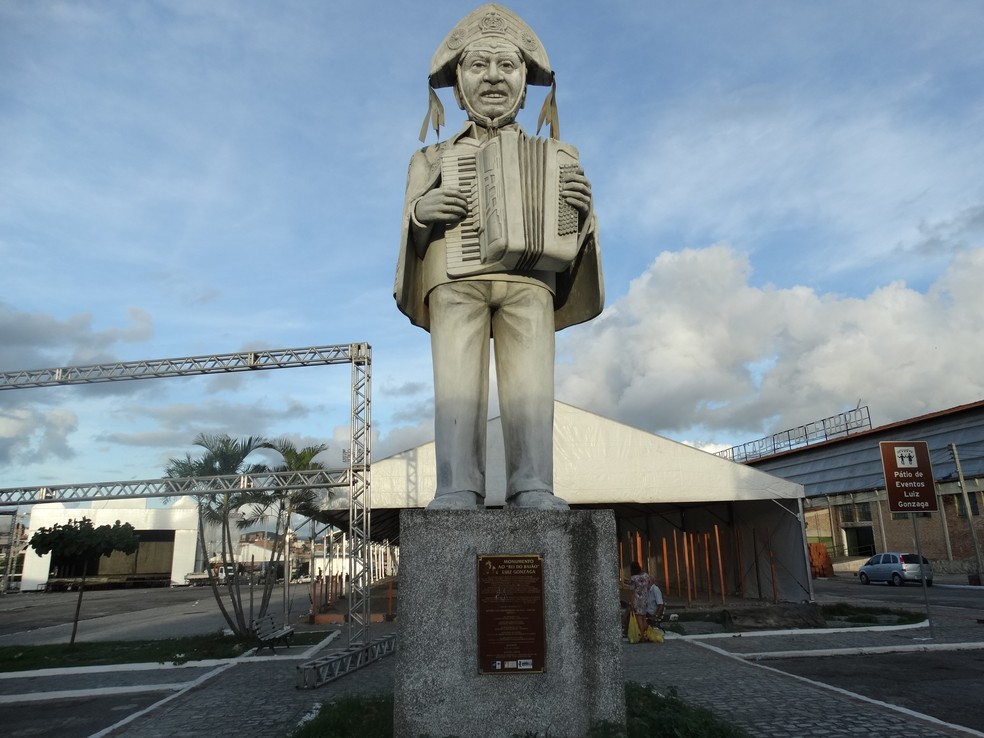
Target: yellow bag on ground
(653, 635)
(634, 635)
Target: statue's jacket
(579, 292)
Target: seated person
(655, 606)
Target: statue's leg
(460, 326)
(523, 331)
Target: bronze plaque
(511, 630)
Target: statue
(519, 301)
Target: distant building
(169, 545)
(846, 503)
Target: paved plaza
(734, 676)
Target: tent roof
(597, 461)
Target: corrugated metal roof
(853, 463)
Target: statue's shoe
(537, 499)
(463, 500)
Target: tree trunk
(78, 604)
(211, 575)
(274, 560)
(235, 593)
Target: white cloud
(33, 340)
(694, 349)
(32, 436)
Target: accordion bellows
(516, 218)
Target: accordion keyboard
(461, 240)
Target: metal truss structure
(174, 487)
(356, 476)
(836, 426)
(191, 365)
(337, 664)
(359, 498)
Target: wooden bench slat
(269, 633)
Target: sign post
(911, 488)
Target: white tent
(698, 522)
(596, 461)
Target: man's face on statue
(492, 81)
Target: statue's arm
(440, 205)
(429, 204)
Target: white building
(169, 540)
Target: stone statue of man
(489, 57)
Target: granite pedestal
(439, 688)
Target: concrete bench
(269, 633)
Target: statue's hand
(443, 205)
(576, 191)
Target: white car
(895, 568)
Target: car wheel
(897, 579)
(864, 578)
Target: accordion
(516, 218)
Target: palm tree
(285, 503)
(223, 455)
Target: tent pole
(676, 560)
(707, 566)
(755, 559)
(666, 568)
(686, 564)
(806, 546)
(694, 557)
(717, 540)
(772, 567)
(741, 563)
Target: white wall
(181, 517)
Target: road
(131, 614)
(845, 588)
(944, 684)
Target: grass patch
(856, 614)
(647, 714)
(837, 615)
(167, 651)
(699, 616)
(366, 717)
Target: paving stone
(257, 696)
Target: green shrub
(366, 717)
(647, 714)
(650, 714)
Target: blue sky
(789, 193)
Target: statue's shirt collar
(478, 134)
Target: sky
(790, 198)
